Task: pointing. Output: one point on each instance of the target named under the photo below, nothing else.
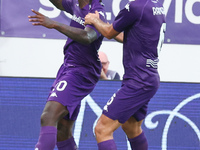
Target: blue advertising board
(182, 16)
(172, 122)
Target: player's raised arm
(85, 36)
(104, 28)
(57, 3)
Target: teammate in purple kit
(76, 77)
(142, 23)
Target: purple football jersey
(76, 54)
(143, 23)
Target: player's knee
(48, 119)
(102, 131)
(44, 118)
(128, 128)
(99, 130)
(132, 130)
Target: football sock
(139, 142)
(47, 138)
(107, 145)
(68, 144)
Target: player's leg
(65, 140)
(51, 114)
(127, 102)
(104, 133)
(72, 88)
(132, 127)
(135, 135)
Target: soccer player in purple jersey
(142, 23)
(76, 77)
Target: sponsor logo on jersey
(158, 11)
(78, 20)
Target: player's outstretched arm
(105, 29)
(57, 3)
(85, 36)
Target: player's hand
(91, 17)
(40, 19)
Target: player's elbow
(86, 41)
(86, 38)
(89, 38)
(108, 36)
(109, 32)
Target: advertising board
(172, 122)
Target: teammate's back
(142, 22)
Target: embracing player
(143, 25)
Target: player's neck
(83, 3)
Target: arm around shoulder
(105, 29)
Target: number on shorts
(109, 102)
(61, 85)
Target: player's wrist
(54, 24)
(95, 21)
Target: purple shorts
(127, 102)
(69, 88)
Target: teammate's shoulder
(133, 1)
(137, 3)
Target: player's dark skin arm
(85, 36)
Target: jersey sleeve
(68, 6)
(127, 16)
(102, 15)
